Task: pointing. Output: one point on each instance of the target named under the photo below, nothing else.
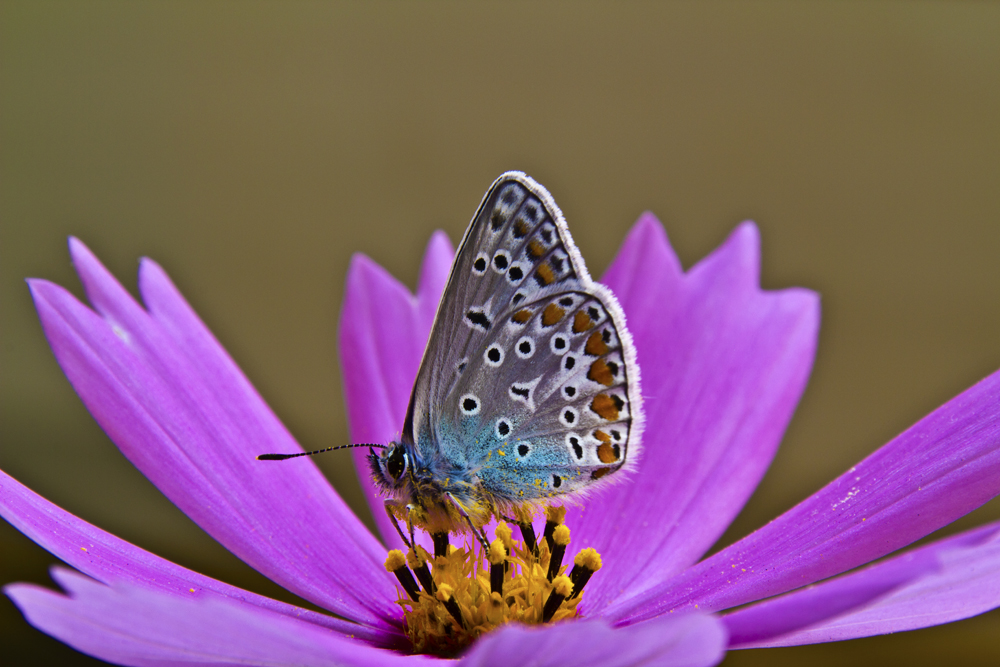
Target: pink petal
(692, 640)
(950, 580)
(178, 407)
(111, 560)
(383, 331)
(941, 468)
(723, 366)
(141, 627)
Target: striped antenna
(282, 457)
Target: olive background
(252, 147)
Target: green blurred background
(251, 148)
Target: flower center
(468, 592)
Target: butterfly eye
(395, 465)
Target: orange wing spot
(552, 314)
(521, 229)
(599, 372)
(536, 249)
(599, 473)
(522, 316)
(596, 346)
(544, 274)
(582, 322)
(603, 437)
(606, 453)
(604, 406)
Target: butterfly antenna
(282, 457)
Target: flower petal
(383, 332)
(685, 641)
(178, 407)
(950, 580)
(723, 366)
(112, 560)
(131, 626)
(941, 468)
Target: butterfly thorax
(431, 493)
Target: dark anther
(560, 540)
(561, 589)
(497, 556)
(585, 564)
(528, 533)
(419, 564)
(454, 610)
(440, 544)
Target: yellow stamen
(471, 591)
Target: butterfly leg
(480, 533)
(395, 522)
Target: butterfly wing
(529, 380)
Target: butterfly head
(390, 467)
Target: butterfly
(528, 389)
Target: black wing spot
(613, 367)
(616, 435)
(556, 481)
(461, 366)
(594, 313)
(547, 235)
(500, 261)
(618, 452)
(522, 450)
(518, 298)
(493, 354)
(566, 301)
(606, 335)
(617, 400)
(503, 428)
(560, 343)
(569, 416)
(523, 392)
(470, 404)
(577, 448)
(570, 362)
(557, 263)
(515, 274)
(478, 318)
(530, 211)
(569, 391)
(480, 264)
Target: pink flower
(723, 363)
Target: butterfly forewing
(529, 379)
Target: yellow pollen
(588, 558)
(505, 534)
(477, 590)
(498, 553)
(444, 592)
(562, 585)
(555, 513)
(394, 560)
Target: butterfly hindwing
(529, 380)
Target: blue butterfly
(528, 388)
